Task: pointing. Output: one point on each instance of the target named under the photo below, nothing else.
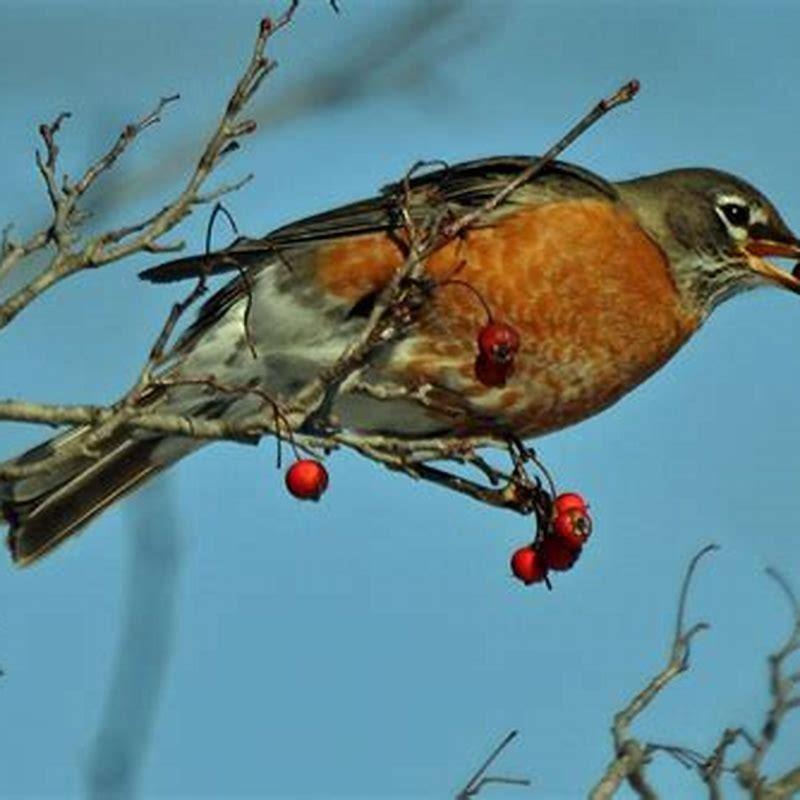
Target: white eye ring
(736, 215)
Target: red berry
(499, 342)
(557, 555)
(573, 528)
(569, 500)
(307, 479)
(491, 373)
(527, 565)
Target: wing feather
(462, 187)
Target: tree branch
(479, 779)
(144, 236)
(785, 699)
(631, 757)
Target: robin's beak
(756, 249)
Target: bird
(604, 281)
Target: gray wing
(462, 187)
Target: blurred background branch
(404, 52)
(146, 636)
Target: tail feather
(79, 491)
(39, 483)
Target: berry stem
(475, 292)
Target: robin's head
(716, 229)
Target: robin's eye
(736, 213)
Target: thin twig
(143, 236)
(785, 699)
(630, 756)
(479, 779)
(624, 94)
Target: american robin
(603, 282)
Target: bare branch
(125, 138)
(479, 779)
(783, 788)
(143, 236)
(678, 660)
(624, 94)
(631, 757)
(784, 700)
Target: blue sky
(374, 644)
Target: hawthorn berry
(491, 373)
(568, 501)
(572, 527)
(307, 479)
(528, 566)
(558, 555)
(499, 342)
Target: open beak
(756, 249)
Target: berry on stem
(528, 566)
(307, 479)
(490, 373)
(499, 342)
(568, 501)
(557, 555)
(572, 527)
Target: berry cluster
(564, 524)
(559, 546)
(498, 343)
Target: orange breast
(589, 292)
